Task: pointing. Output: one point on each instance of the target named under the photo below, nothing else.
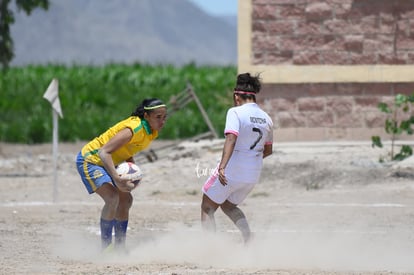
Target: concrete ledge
(332, 135)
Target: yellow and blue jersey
(142, 137)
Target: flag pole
(55, 154)
(52, 95)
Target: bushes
(396, 124)
(94, 98)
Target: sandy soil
(320, 208)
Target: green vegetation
(395, 125)
(94, 98)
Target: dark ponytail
(147, 106)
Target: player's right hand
(222, 176)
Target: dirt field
(320, 208)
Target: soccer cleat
(110, 249)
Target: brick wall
(333, 111)
(331, 32)
(336, 32)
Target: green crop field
(94, 98)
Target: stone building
(326, 64)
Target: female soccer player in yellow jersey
(97, 160)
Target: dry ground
(320, 208)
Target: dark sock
(106, 232)
(120, 233)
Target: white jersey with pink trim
(253, 128)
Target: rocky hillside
(123, 31)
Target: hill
(97, 32)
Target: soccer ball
(130, 171)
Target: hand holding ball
(131, 171)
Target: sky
(218, 7)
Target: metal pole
(55, 155)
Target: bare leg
(109, 194)
(208, 207)
(121, 219)
(111, 198)
(125, 203)
(238, 218)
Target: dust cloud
(350, 250)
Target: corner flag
(52, 95)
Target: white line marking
(96, 231)
(332, 204)
(91, 203)
(183, 204)
(44, 203)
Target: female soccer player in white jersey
(97, 160)
(249, 139)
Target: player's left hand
(124, 185)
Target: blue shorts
(93, 176)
